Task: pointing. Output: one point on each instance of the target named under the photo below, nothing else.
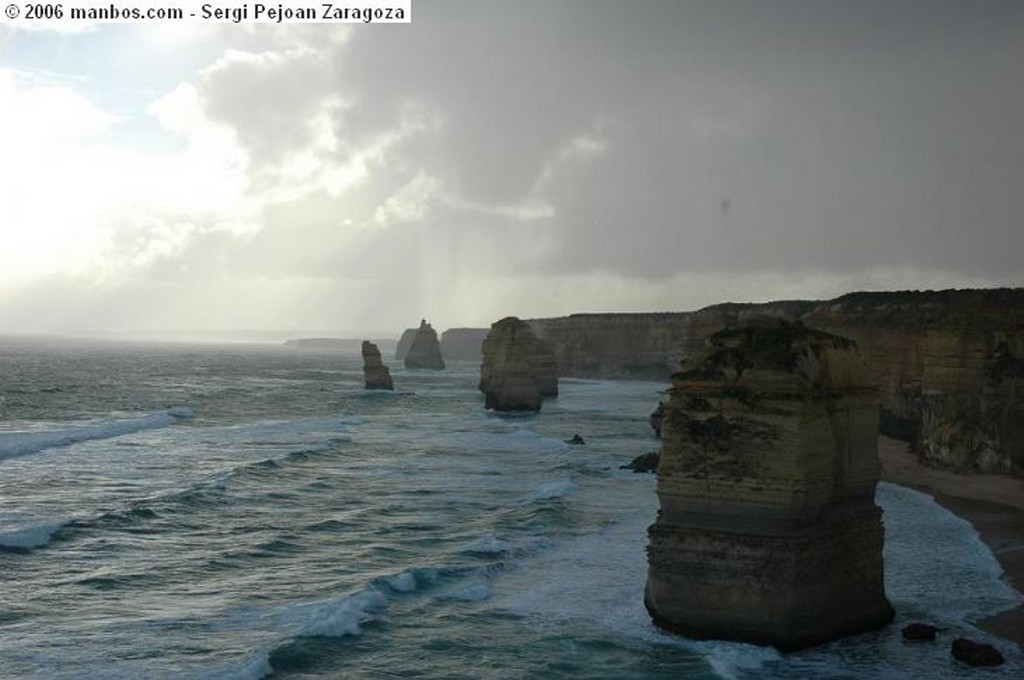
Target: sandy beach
(994, 504)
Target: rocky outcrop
(976, 653)
(951, 370)
(425, 351)
(518, 369)
(463, 344)
(376, 375)
(767, 530)
(645, 462)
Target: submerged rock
(518, 369)
(767, 530)
(976, 653)
(376, 375)
(425, 351)
(576, 440)
(919, 631)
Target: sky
(489, 158)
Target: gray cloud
(522, 153)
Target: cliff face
(376, 375)
(518, 368)
(643, 346)
(425, 351)
(463, 344)
(767, 530)
(950, 366)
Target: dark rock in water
(767, 530)
(425, 351)
(976, 653)
(656, 418)
(919, 631)
(576, 440)
(376, 375)
(647, 462)
(518, 369)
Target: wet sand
(993, 504)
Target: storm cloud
(543, 158)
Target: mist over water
(176, 511)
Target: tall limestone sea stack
(518, 369)
(425, 351)
(376, 375)
(767, 530)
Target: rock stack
(767, 530)
(376, 375)
(518, 369)
(425, 351)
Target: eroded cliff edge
(950, 363)
(767, 530)
(951, 370)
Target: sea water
(176, 511)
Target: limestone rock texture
(425, 351)
(463, 344)
(518, 369)
(951, 370)
(376, 375)
(767, 530)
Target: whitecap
(253, 666)
(26, 442)
(32, 536)
(401, 583)
(553, 491)
(487, 545)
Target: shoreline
(993, 504)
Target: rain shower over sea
(233, 511)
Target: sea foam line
(24, 443)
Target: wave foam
(29, 537)
(23, 443)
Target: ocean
(245, 511)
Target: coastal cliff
(767, 530)
(950, 363)
(463, 344)
(646, 346)
(951, 370)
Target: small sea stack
(768, 531)
(425, 351)
(518, 368)
(376, 375)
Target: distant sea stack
(767, 530)
(376, 375)
(518, 369)
(463, 344)
(425, 351)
